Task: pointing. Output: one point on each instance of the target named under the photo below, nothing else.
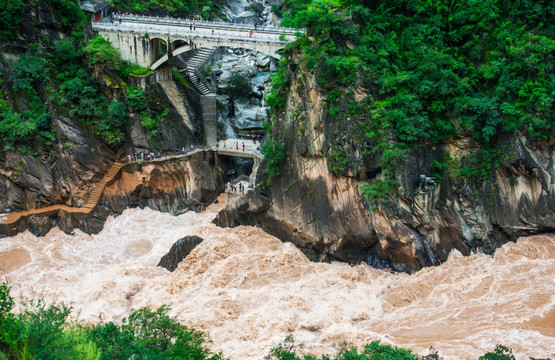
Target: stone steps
(195, 63)
(96, 194)
(8, 225)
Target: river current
(247, 290)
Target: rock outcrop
(172, 186)
(324, 213)
(179, 251)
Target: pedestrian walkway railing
(222, 36)
(239, 188)
(230, 147)
(201, 78)
(208, 24)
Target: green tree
(136, 98)
(238, 87)
(28, 71)
(500, 353)
(150, 334)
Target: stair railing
(201, 78)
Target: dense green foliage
(70, 12)
(11, 13)
(101, 53)
(274, 153)
(431, 70)
(21, 128)
(46, 333)
(288, 350)
(59, 79)
(238, 87)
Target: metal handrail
(209, 24)
(175, 31)
(202, 78)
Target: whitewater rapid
(247, 290)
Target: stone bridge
(151, 41)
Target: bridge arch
(157, 48)
(149, 41)
(272, 50)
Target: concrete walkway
(229, 147)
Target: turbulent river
(247, 290)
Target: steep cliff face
(326, 216)
(172, 186)
(65, 168)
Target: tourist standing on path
(236, 145)
(243, 146)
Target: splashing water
(247, 290)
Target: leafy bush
(65, 51)
(136, 98)
(28, 71)
(238, 87)
(280, 86)
(129, 69)
(101, 53)
(148, 122)
(45, 332)
(11, 13)
(274, 153)
(69, 11)
(500, 353)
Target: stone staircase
(95, 195)
(9, 223)
(209, 119)
(194, 65)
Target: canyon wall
(324, 214)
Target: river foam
(247, 290)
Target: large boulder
(179, 251)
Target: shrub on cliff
(11, 13)
(238, 87)
(274, 153)
(101, 53)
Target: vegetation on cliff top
(430, 71)
(55, 78)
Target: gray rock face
(172, 186)
(179, 251)
(246, 17)
(325, 215)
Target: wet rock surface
(325, 215)
(179, 252)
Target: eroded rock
(179, 251)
